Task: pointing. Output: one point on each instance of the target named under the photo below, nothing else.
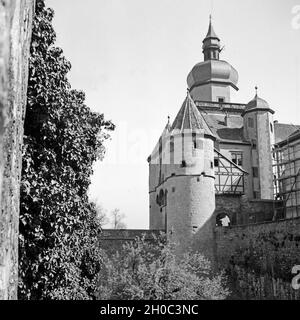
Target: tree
(59, 256)
(117, 219)
(101, 214)
(150, 270)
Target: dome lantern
(211, 44)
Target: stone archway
(223, 220)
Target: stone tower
(259, 130)
(181, 184)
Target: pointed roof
(257, 104)
(211, 32)
(190, 118)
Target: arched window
(160, 198)
(171, 144)
(222, 220)
(250, 122)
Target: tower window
(221, 99)
(194, 140)
(160, 198)
(216, 162)
(250, 123)
(183, 164)
(198, 144)
(271, 127)
(211, 165)
(256, 194)
(255, 172)
(237, 158)
(172, 144)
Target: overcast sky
(132, 57)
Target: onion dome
(190, 118)
(211, 44)
(212, 70)
(257, 104)
(216, 71)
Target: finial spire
(211, 8)
(256, 88)
(211, 32)
(211, 43)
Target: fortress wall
(112, 240)
(259, 258)
(15, 32)
(242, 211)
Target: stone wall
(15, 31)
(243, 211)
(259, 258)
(112, 240)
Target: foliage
(149, 270)
(58, 255)
(101, 213)
(269, 253)
(117, 219)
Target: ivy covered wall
(259, 258)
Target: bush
(149, 270)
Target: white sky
(132, 57)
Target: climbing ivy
(58, 253)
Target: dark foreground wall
(259, 258)
(15, 31)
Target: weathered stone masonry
(112, 240)
(15, 32)
(259, 258)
